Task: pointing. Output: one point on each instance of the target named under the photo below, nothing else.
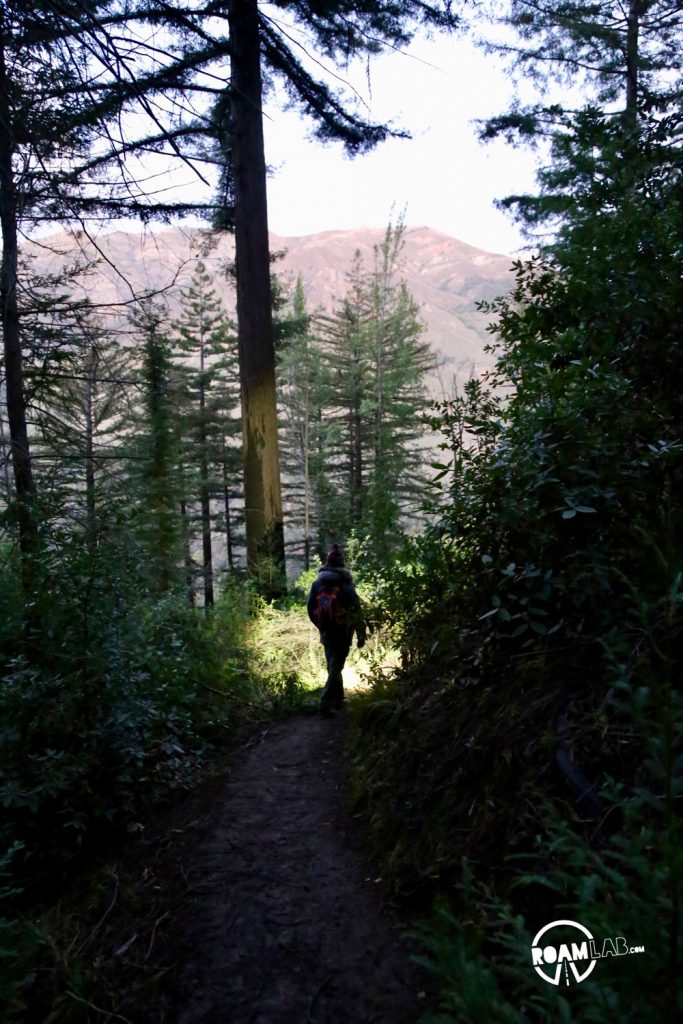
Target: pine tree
(625, 52)
(159, 514)
(346, 435)
(612, 173)
(80, 411)
(301, 380)
(206, 344)
(378, 363)
(626, 57)
(340, 30)
(228, 452)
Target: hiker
(334, 607)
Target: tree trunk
(91, 523)
(5, 451)
(207, 554)
(262, 497)
(189, 575)
(226, 506)
(14, 372)
(356, 483)
(307, 500)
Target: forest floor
(279, 917)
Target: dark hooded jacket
(352, 616)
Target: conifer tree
(627, 59)
(625, 51)
(401, 361)
(340, 31)
(347, 436)
(228, 452)
(159, 520)
(206, 344)
(68, 80)
(81, 412)
(377, 362)
(301, 396)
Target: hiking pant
(336, 651)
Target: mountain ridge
(445, 275)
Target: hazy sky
(444, 177)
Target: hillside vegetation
(517, 757)
(526, 761)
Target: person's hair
(335, 557)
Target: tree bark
(307, 484)
(5, 452)
(356, 482)
(226, 507)
(14, 370)
(91, 521)
(207, 554)
(189, 575)
(263, 502)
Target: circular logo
(560, 955)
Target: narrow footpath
(286, 922)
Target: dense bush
(536, 728)
(95, 742)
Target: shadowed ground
(286, 924)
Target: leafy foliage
(540, 615)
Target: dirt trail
(286, 924)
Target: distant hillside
(446, 276)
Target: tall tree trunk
(226, 506)
(319, 514)
(307, 485)
(14, 371)
(91, 522)
(189, 575)
(207, 554)
(156, 372)
(5, 450)
(262, 496)
(356, 463)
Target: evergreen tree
(377, 364)
(347, 429)
(159, 515)
(210, 397)
(627, 58)
(627, 53)
(67, 80)
(80, 415)
(228, 455)
(300, 388)
(612, 173)
(340, 30)
(401, 361)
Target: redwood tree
(340, 31)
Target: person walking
(334, 607)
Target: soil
(284, 921)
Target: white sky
(443, 176)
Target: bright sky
(443, 176)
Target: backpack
(328, 610)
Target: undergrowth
(91, 744)
(534, 730)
